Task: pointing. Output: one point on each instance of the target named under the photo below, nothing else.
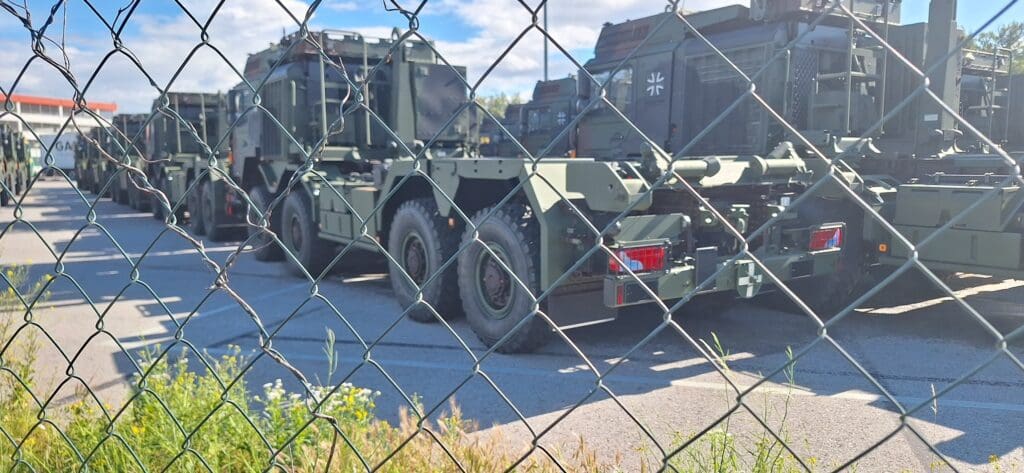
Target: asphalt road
(832, 413)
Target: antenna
(546, 33)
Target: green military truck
(496, 142)
(536, 125)
(10, 169)
(185, 124)
(918, 170)
(547, 114)
(128, 146)
(533, 218)
(91, 166)
(923, 168)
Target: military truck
(547, 114)
(179, 158)
(494, 141)
(91, 166)
(17, 162)
(9, 166)
(535, 124)
(366, 192)
(918, 170)
(128, 145)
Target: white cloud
(341, 6)
(573, 24)
(162, 43)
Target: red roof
(29, 99)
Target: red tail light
(640, 259)
(826, 238)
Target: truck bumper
(743, 276)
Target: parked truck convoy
(413, 187)
(184, 127)
(127, 145)
(918, 170)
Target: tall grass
(188, 416)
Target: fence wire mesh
(131, 166)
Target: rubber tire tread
(268, 250)
(214, 230)
(155, 208)
(195, 211)
(512, 220)
(441, 243)
(316, 253)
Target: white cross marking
(655, 81)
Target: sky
(161, 36)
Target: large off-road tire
(264, 247)
(118, 195)
(493, 301)
(158, 210)
(81, 182)
(421, 242)
(137, 199)
(215, 231)
(196, 223)
(155, 207)
(300, 235)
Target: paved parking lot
(831, 412)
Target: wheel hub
(414, 258)
(207, 206)
(296, 233)
(494, 283)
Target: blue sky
(468, 32)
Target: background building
(47, 115)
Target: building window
(40, 109)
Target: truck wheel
(158, 210)
(154, 203)
(299, 232)
(421, 243)
(196, 222)
(265, 248)
(137, 199)
(494, 302)
(208, 211)
(122, 196)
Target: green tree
(1009, 36)
(497, 103)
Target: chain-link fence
(811, 154)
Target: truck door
(602, 133)
(654, 99)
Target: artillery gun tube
(698, 168)
(776, 166)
